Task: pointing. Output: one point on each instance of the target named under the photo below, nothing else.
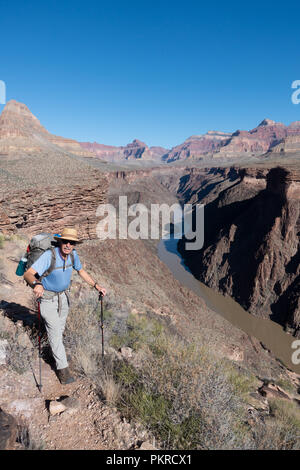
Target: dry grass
(83, 332)
(182, 394)
(109, 389)
(82, 336)
(280, 430)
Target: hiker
(52, 291)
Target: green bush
(138, 332)
(2, 240)
(176, 389)
(242, 383)
(19, 357)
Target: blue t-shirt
(60, 277)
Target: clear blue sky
(158, 71)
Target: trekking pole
(40, 356)
(102, 326)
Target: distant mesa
(22, 133)
(136, 150)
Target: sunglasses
(65, 242)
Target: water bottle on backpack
(21, 266)
(37, 246)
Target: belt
(49, 295)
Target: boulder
(272, 390)
(56, 407)
(72, 404)
(26, 407)
(147, 446)
(126, 352)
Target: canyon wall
(52, 208)
(251, 249)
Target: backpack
(38, 245)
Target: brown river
(271, 334)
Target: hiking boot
(64, 376)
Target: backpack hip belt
(49, 295)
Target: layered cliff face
(251, 248)
(288, 144)
(17, 121)
(50, 208)
(198, 145)
(104, 152)
(266, 137)
(256, 141)
(22, 133)
(18, 128)
(48, 189)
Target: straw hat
(68, 234)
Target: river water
(271, 334)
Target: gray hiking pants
(54, 311)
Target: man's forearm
(29, 277)
(86, 277)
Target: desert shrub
(283, 427)
(280, 430)
(179, 391)
(2, 240)
(242, 382)
(4, 334)
(19, 358)
(83, 335)
(125, 373)
(109, 388)
(138, 331)
(286, 385)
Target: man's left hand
(102, 290)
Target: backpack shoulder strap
(73, 259)
(52, 264)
